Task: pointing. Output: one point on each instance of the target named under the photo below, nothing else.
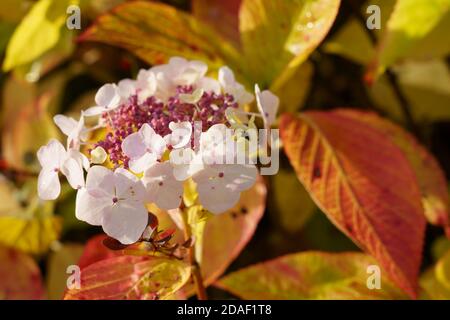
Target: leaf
(410, 22)
(309, 275)
(277, 36)
(37, 33)
(57, 264)
(291, 210)
(425, 85)
(33, 229)
(8, 201)
(26, 129)
(434, 282)
(431, 178)
(155, 32)
(364, 184)
(221, 15)
(131, 278)
(20, 277)
(225, 235)
(95, 251)
(294, 92)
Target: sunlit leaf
(426, 86)
(309, 275)
(26, 129)
(291, 210)
(431, 178)
(277, 36)
(155, 32)
(410, 22)
(20, 277)
(221, 15)
(57, 269)
(435, 282)
(225, 235)
(364, 183)
(8, 202)
(95, 251)
(294, 92)
(38, 32)
(131, 277)
(33, 229)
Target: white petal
(161, 186)
(133, 145)
(216, 198)
(127, 88)
(65, 124)
(140, 164)
(100, 178)
(52, 155)
(226, 77)
(239, 177)
(181, 134)
(128, 186)
(94, 111)
(209, 85)
(73, 171)
(154, 143)
(125, 221)
(267, 104)
(49, 187)
(108, 96)
(89, 208)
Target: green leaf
(131, 278)
(277, 36)
(63, 257)
(435, 282)
(309, 275)
(410, 22)
(38, 32)
(20, 277)
(155, 32)
(291, 210)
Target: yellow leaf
(277, 36)
(32, 230)
(291, 209)
(57, 264)
(38, 32)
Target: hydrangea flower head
(151, 122)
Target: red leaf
(20, 277)
(365, 185)
(131, 278)
(95, 251)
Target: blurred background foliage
(46, 71)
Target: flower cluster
(162, 129)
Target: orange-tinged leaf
(364, 183)
(227, 234)
(222, 15)
(131, 278)
(95, 251)
(309, 275)
(20, 277)
(431, 178)
(155, 32)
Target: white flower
(219, 186)
(161, 186)
(74, 130)
(107, 98)
(143, 148)
(126, 88)
(231, 86)
(267, 104)
(180, 136)
(55, 159)
(145, 84)
(114, 200)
